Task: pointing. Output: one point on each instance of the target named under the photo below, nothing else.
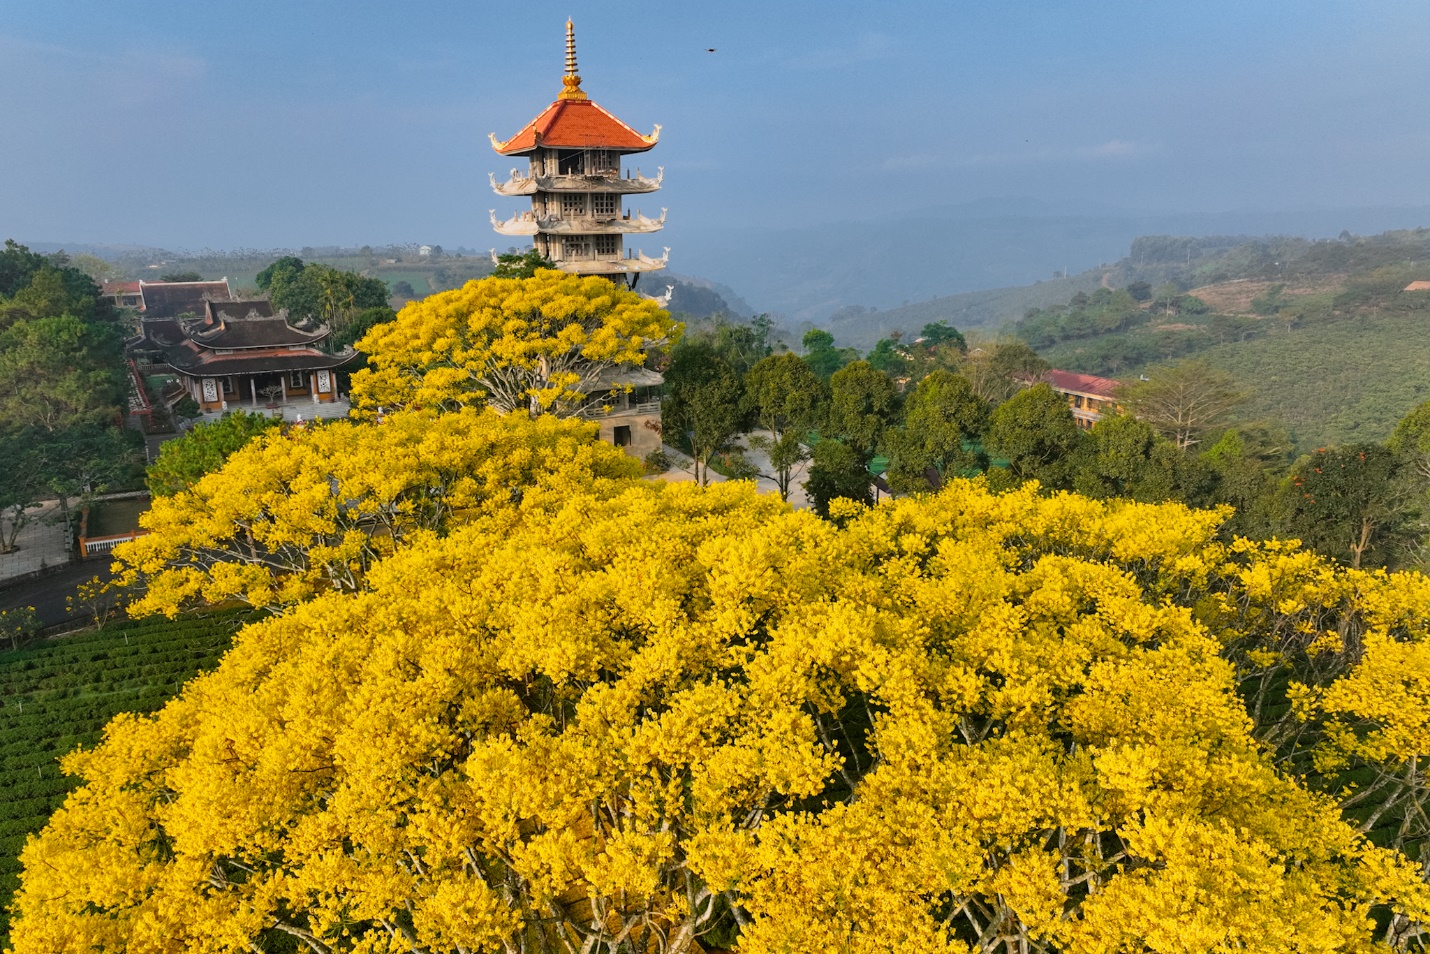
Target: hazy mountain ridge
(807, 274)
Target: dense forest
(62, 388)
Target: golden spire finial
(571, 82)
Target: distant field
(59, 694)
(1335, 383)
(1234, 297)
(420, 280)
(424, 276)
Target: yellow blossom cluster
(300, 512)
(650, 717)
(539, 343)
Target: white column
(283, 383)
(253, 388)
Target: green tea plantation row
(59, 693)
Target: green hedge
(58, 694)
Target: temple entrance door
(270, 388)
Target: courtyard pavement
(289, 410)
(682, 470)
(42, 544)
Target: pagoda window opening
(608, 246)
(603, 163)
(603, 205)
(571, 162)
(573, 204)
(574, 248)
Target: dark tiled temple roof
(238, 309)
(248, 324)
(160, 333)
(172, 299)
(193, 360)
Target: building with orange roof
(578, 218)
(1088, 396)
(1417, 286)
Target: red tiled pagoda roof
(575, 124)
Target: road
(50, 593)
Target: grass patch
(109, 517)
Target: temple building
(165, 300)
(578, 218)
(243, 353)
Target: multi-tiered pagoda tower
(578, 217)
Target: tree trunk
(1367, 527)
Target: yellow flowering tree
(540, 344)
(297, 513)
(664, 717)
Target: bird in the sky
(710, 49)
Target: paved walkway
(682, 469)
(289, 411)
(42, 544)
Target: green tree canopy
(284, 269)
(17, 265)
(23, 463)
(360, 324)
(703, 402)
(58, 372)
(943, 418)
(1124, 457)
(862, 404)
(317, 292)
(786, 400)
(520, 264)
(1348, 503)
(203, 450)
(888, 357)
(1034, 431)
(937, 333)
(836, 470)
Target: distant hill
(860, 327)
(698, 297)
(1321, 333)
(807, 273)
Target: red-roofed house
(1417, 286)
(577, 219)
(1088, 395)
(123, 294)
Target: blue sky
(263, 124)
